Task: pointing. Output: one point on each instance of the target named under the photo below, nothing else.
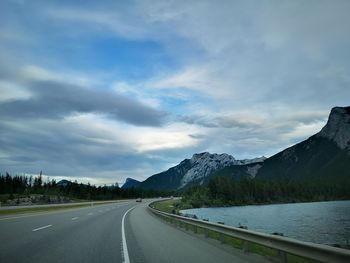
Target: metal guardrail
(321, 253)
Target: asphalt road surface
(53, 205)
(118, 232)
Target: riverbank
(295, 220)
(272, 254)
(224, 191)
(317, 222)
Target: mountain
(337, 128)
(193, 171)
(323, 156)
(129, 183)
(249, 170)
(64, 183)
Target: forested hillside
(13, 187)
(226, 191)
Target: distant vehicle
(138, 200)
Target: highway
(117, 232)
(54, 205)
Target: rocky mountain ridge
(196, 169)
(323, 156)
(129, 183)
(204, 164)
(337, 128)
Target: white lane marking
(43, 213)
(75, 218)
(124, 245)
(39, 228)
(69, 209)
(89, 214)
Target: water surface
(318, 222)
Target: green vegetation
(227, 191)
(168, 206)
(13, 189)
(173, 206)
(27, 210)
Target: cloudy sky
(103, 90)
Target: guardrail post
(282, 245)
(283, 256)
(206, 233)
(222, 240)
(245, 246)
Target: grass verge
(169, 206)
(172, 206)
(28, 210)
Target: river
(318, 222)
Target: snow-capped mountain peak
(204, 164)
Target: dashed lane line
(40, 228)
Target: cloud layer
(52, 100)
(110, 89)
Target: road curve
(94, 234)
(153, 240)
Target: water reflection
(318, 222)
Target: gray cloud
(60, 149)
(217, 121)
(286, 63)
(198, 120)
(307, 117)
(57, 100)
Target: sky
(98, 91)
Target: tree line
(227, 191)
(21, 185)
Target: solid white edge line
(43, 227)
(125, 246)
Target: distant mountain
(249, 170)
(129, 183)
(64, 183)
(323, 156)
(193, 171)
